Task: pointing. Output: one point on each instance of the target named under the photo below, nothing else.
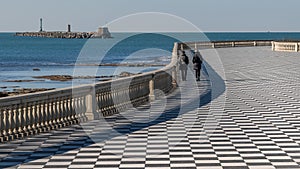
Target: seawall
(102, 32)
(64, 35)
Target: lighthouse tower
(41, 24)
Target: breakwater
(102, 32)
(64, 35)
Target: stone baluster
(56, 114)
(44, 116)
(2, 124)
(51, 114)
(76, 103)
(10, 122)
(15, 124)
(72, 111)
(151, 89)
(66, 111)
(19, 129)
(38, 116)
(6, 123)
(76, 109)
(81, 108)
(62, 111)
(35, 117)
(22, 129)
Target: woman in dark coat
(184, 61)
(197, 62)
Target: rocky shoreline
(62, 78)
(20, 91)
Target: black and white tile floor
(258, 129)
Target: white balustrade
(286, 46)
(29, 114)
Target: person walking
(197, 63)
(184, 61)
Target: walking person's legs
(185, 74)
(198, 74)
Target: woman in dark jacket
(184, 61)
(197, 62)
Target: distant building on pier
(103, 33)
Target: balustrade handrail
(223, 44)
(286, 46)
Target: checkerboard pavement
(258, 129)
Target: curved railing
(225, 44)
(29, 114)
(285, 46)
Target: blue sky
(208, 15)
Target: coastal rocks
(36, 69)
(16, 92)
(56, 77)
(126, 74)
(7, 87)
(63, 78)
(63, 35)
(19, 81)
(102, 32)
(3, 94)
(133, 64)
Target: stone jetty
(102, 32)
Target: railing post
(273, 46)
(90, 102)
(174, 77)
(296, 47)
(151, 89)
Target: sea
(23, 59)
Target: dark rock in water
(56, 77)
(18, 81)
(3, 94)
(36, 69)
(104, 80)
(126, 74)
(6, 87)
(63, 78)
